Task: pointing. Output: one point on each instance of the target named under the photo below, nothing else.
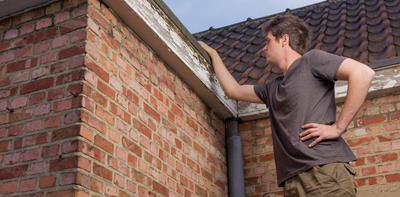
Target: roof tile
(365, 30)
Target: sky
(200, 15)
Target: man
(311, 156)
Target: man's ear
(285, 40)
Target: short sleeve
(324, 65)
(262, 92)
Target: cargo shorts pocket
(350, 169)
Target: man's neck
(287, 61)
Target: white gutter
(166, 38)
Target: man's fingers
(311, 135)
(309, 125)
(308, 131)
(315, 142)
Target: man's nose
(265, 48)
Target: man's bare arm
(359, 77)
(230, 86)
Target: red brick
(6, 57)
(5, 80)
(160, 188)
(26, 28)
(131, 146)
(393, 178)
(99, 71)
(40, 72)
(41, 110)
(42, 23)
(192, 123)
(59, 41)
(120, 113)
(75, 89)
(100, 112)
(176, 110)
(50, 151)
(12, 172)
(37, 98)
(72, 25)
(67, 64)
(70, 77)
(21, 65)
(3, 105)
(72, 117)
(94, 122)
(37, 85)
(71, 51)
(24, 52)
(142, 129)
(154, 114)
(5, 45)
(96, 16)
(63, 193)
(131, 96)
(62, 16)
(389, 157)
(104, 144)
(70, 103)
(70, 146)
(48, 57)
(64, 133)
(27, 16)
(41, 47)
(55, 94)
(96, 185)
(34, 140)
(67, 178)
(41, 35)
(100, 99)
(10, 34)
(8, 187)
(361, 140)
(47, 181)
(372, 120)
(63, 163)
(368, 171)
(102, 171)
(53, 121)
(27, 185)
(105, 89)
(395, 116)
(38, 168)
(5, 145)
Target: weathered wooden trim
(165, 37)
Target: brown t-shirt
(305, 95)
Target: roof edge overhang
(9, 8)
(156, 25)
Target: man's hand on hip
(320, 132)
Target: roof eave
(153, 22)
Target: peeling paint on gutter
(154, 26)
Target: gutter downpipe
(236, 186)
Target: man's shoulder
(313, 52)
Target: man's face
(272, 49)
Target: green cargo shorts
(330, 180)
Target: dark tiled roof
(365, 30)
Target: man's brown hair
(294, 27)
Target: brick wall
(373, 135)
(88, 109)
